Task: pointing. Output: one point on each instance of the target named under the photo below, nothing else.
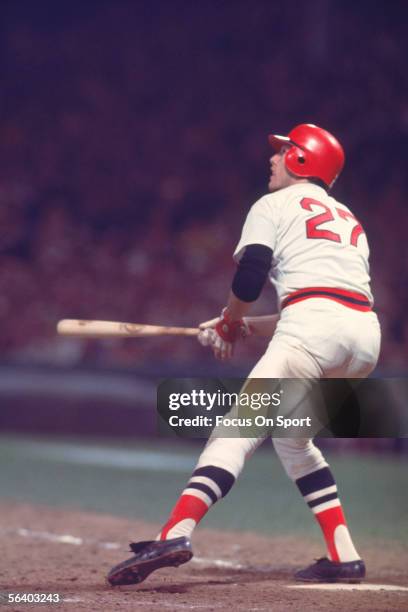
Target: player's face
(279, 177)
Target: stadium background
(132, 142)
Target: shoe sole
(134, 571)
(330, 580)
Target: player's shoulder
(281, 198)
(285, 199)
(298, 190)
(311, 191)
(270, 201)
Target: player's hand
(221, 334)
(209, 337)
(246, 329)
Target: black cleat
(150, 556)
(324, 570)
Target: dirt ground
(69, 552)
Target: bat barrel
(106, 329)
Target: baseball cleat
(150, 556)
(324, 570)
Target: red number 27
(313, 223)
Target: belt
(351, 299)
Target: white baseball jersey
(316, 241)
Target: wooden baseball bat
(116, 329)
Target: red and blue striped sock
(206, 486)
(319, 490)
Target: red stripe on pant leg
(328, 521)
(187, 507)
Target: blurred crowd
(133, 141)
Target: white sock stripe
(326, 505)
(200, 494)
(209, 482)
(320, 493)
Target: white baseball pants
(315, 338)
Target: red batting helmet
(314, 153)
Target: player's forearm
(259, 325)
(263, 325)
(236, 309)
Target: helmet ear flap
(295, 160)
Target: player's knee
(226, 453)
(299, 456)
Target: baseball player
(316, 254)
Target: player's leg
(302, 460)
(352, 354)
(218, 467)
(306, 466)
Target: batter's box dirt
(68, 552)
